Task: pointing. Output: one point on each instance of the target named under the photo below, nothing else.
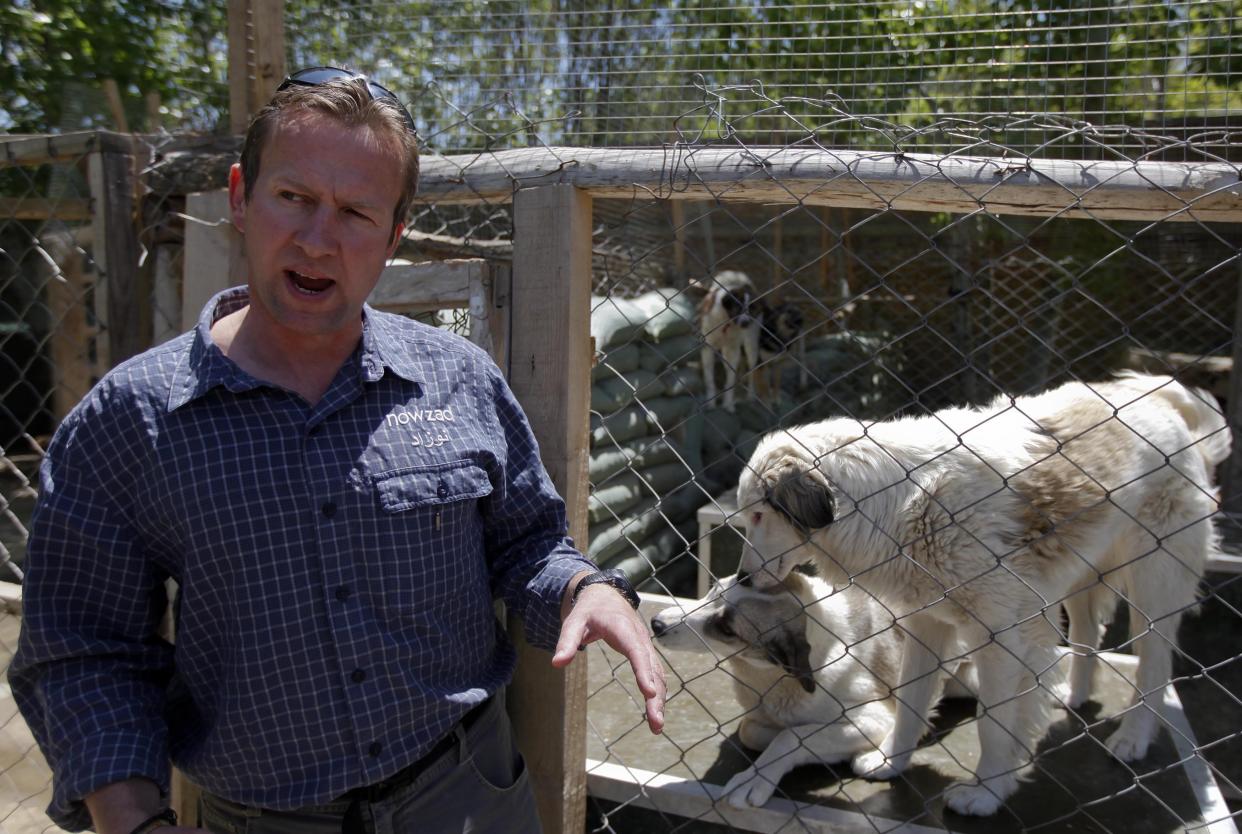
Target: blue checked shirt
(337, 566)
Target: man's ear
(396, 238)
(237, 197)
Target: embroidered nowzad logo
(404, 417)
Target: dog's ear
(790, 650)
(803, 497)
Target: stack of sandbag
(644, 389)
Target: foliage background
(496, 73)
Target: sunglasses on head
(314, 76)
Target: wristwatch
(613, 577)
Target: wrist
(614, 579)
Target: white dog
(977, 524)
(813, 670)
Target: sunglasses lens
(319, 75)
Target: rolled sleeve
(531, 555)
(89, 675)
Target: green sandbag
(612, 498)
(643, 452)
(665, 413)
(626, 424)
(659, 550)
(615, 321)
(618, 361)
(613, 394)
(608, 540)
(680, 350)
(669, 313)
(682, 380)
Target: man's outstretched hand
(603, 614)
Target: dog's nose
(657, 627)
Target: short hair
(350, 103)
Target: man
(340, 494)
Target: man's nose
(318, 235)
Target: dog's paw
(973, 799)
(749, 789)
(874, 764)
(1128, 744)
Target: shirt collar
(204, 365)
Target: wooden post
(678, 212)
(70, 340)
(549, 371)
(120, 298)
(256, 57)
(1231, 497)
(209, 247)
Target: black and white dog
(743, 331)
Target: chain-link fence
(950, 290)
(944, 270)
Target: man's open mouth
(308, 285)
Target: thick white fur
(852, 652)
(733, 338)
(978, 524)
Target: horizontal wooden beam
(424, 287)
(41, 208)
(62, 147)
(1101, 189)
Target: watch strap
(612, 577)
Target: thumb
(573, 636)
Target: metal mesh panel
(602, 75)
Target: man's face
(318, 225)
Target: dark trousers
(478, 784)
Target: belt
(408, 775)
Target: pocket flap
(442, 484)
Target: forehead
(320, 151)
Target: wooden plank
(267, 20)
(66, 283)
(116, 254)
(62, 147)
(66, 209)
(1102, 189)
(239, 65)
(549, 364)
(422, 287)
(210, 242)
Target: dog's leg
(1008, 701)
(732, 355)
(1085, 631)
(1154, 647)
(1159, 587)
(926, 639)
(808, 744)
(707, 358)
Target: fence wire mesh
(604, 75)
(876, 314)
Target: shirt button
(374, 750)
(343, 593)
(358, 675)
(328, 509)
(442, 490)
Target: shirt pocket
(434, 565)
(430, 486)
